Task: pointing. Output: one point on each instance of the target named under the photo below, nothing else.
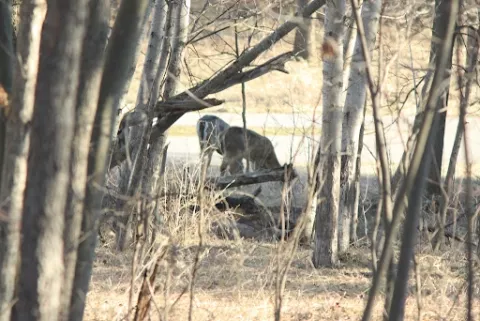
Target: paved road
(187, 148)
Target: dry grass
(236, 278)
(235, 281)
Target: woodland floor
(236, 279)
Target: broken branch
(272, 175)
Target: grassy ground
(181, 130)
(236, 281)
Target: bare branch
(208, 86)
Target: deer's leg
(223, 166)
(236, 166)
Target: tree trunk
(352, 121)
(355, 192)
(152, 59)
(6, 68)
(9, 230)
(119, 56)
(326, 221)
(86, 106)
(16, 7)
(466, 65)
(146, 97)
(179, 27)
(133, 66)
(302, 44)
(434, 187)
(17, 144)
(130, 175)
(348, 49)
(48, 163)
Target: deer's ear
(134, 118)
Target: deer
(259, 151)
(209, 128)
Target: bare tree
(153, 56)
(326, 242)
(302, 46)
(434, 183)
(465, 40)
(9, 231)
(86, 105)
(40, 286)
(411, 187)
(150, 85)
(352, 121)
(133, 66)
(177, 44)
(119, 55)
(6, 63)
(17, 145)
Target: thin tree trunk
(130, 177)
(138, 48)
(86, 106)
(152, 59)
(119, 56)
(302, 45)
(418, 161)
(348, 49)
(180, 33)
(465, 83)
(434, 183)
(7, 53)
(146, 95)
(352, 121)
(326, 221)
(48, 165)
(356, 182)
(9, 230)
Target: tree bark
(152, 59)
(147, 96)
(133, 66)
(352, 121)
(120, 53)
(326, 221)
(179, 27)
(7, 53)
(86, 106)
(302, 43)
(48, 163)
(17, 144)
(9, 230)
(434, 182)
(465, 75)
(429, 119)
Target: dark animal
(209, 128)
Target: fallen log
(262, 176)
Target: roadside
(291, 134)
